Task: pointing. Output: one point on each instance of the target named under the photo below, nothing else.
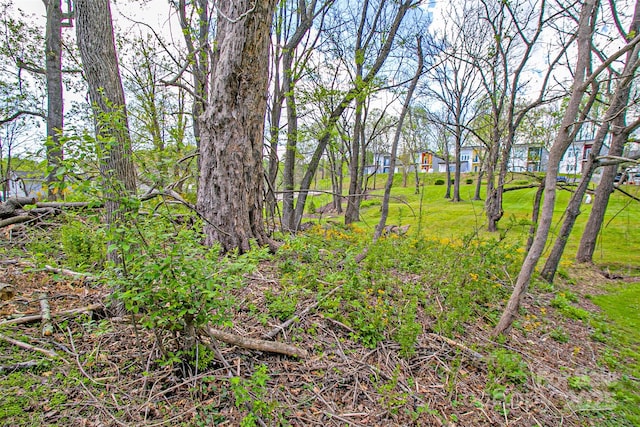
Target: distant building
(470, 161)
(381, 164)
(576, 156)
(429, 161)
(528, 158)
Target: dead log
(19, 366)
(15, 220)
(69, 205)
(255, 344)
(10, 206)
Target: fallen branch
(48, 353)
(71, 205)
(15, 220)
(275, 331)
(69, 273)
(38, 317)
(45, 312)
(474, 354)
(255, 344)
(19, 366)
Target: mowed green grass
(431, 215)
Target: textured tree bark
(55, 114)
(94, 30)
(231, 182)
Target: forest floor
(106, 372)
(402, 339)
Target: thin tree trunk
(352, 213)
(456, 174)
(476, 194)
(563, 140)
(199, 57)
(288, 217)
(535, 215)
(100, 64)
(396, 139)
(621, 133)
(344, 103)
(55, 104)
(231, 183)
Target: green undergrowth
(618, 327)
(403, 286)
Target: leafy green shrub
(83, 244)
(311, 208)
(456, 281)
(251, 393)
(281, 306)
(439, 182)
(505, 367)
(469, 181)
(559, 335)
(408, 328)
(175, 283)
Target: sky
(154, 12)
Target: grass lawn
(431, 215)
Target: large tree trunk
(231, 183)
(100, 64)
(560, 145)
(54, 94)
(492, 203)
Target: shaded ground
(108, 374)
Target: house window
(464, 157)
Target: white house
(576, 156)
(528, 158)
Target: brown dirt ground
(340, 383)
